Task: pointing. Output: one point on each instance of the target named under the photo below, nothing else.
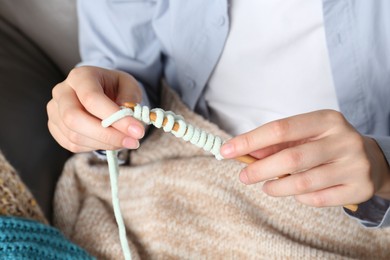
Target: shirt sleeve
(119, 35)
(375, 213)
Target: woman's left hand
(329, 162)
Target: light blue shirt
(183, 40)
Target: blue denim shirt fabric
(183, 40)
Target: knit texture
(27, 239)
(15, 198)
(179, 202)
(23, 230)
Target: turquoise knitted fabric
(27, 239)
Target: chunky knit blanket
(22, 238)
(15, 198)
(179, 202)
(24, 233)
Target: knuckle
(303, 183)
(69, 118)
(247, 141)
(280, 128)
(270, 189)
(88, 99)
(369, 192)
(252, 175)
(74, 137)
(294, 159)
(78, 75)
(356, 141)
(74, 148)
(55, 91)
(318, 200)
(49, 107)
(333, 116)
(73, 75)
(76, 72)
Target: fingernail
(136, 131)
(227, 150)
(244, 177)
(130, 143)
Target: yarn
(28, 239)
(113, 167)
(187, 132)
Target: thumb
(129, 89)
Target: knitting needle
(245, 158)
(248, 159)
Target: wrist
(381, 170)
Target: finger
(334, 196)
(126, 93)
(69, 116)
(73, 117)
(290, 160)
(87, 142)
(96, 92)
(315, 179)
(267, 151)
(76, 139)
(64, 142)
(300, 127)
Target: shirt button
(221, 21)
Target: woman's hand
(330, 163)
(88, 95)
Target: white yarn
(187, 132)
(113, 167)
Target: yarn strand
(113, 167)
(166, 120)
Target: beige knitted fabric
(15, 199)
(181, 203)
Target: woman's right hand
(86, 97)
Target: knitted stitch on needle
(166, 120)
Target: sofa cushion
(27, 77)
(52, 25)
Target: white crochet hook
(248, 159)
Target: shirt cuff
(374, 213)
(123, 156)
